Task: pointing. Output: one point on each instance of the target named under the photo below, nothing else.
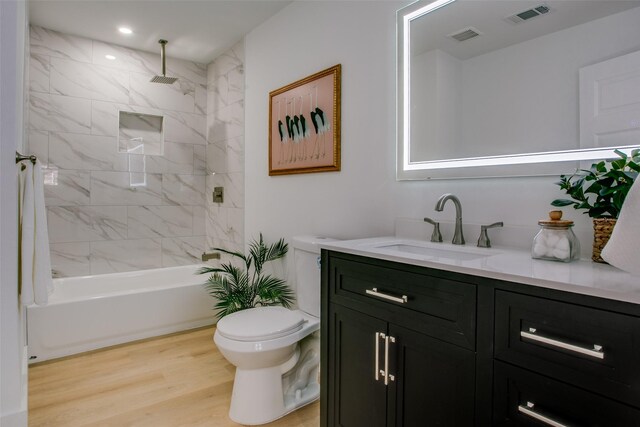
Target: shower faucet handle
(436, 236)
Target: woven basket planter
(602, 228)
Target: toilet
(276, 351)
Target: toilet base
(264, 395)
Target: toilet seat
(261, 323)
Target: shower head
(163, 78)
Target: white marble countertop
(514, 265)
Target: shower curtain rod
(21, 157)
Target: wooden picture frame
(304, 125)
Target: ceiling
(197, 30)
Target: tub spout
(212, 255)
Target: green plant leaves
(621, 154)
(618, 164)
(607, 184)
(599, 167)
(273, 291)
(260, 253)
(562, 202)
(237, 289)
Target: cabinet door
(434, 381)
(357, 399)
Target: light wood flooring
(172, 381)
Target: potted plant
(236, 288)
(601, 191)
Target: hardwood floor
(172, 381)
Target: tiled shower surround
(225, 149)
(108, 210)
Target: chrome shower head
(163, 79)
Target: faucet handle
(436, 236)
(483, 240)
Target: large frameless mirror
(513, 87)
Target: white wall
(304, 38)
(364, 198)
(13, 388)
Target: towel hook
(21, 157)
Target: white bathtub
(91, 312)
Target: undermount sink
(435, 250)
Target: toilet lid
(261, 323)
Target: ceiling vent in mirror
(465, 34)
(529, 13)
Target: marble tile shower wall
(225, 149)
(98, 221)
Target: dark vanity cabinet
(566, 363)
(404, 345)
(401, 346)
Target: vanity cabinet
(400, 347)
(594, 349)
(524, 398)
(565, 363)
(462, 350)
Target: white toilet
(276, 350)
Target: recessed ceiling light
(110, 57)
(125, 30)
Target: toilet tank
(306, 253)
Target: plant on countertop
(601, 190)
(237, 289)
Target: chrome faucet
(458, 238)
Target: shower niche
(140, 134)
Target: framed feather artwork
(304, 125)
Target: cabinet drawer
(433, 305)
(591, 348)
(523, 398)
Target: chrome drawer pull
(595, 352)
(528, 410)
(375, 293)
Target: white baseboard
(16, 419)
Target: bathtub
(91, 312)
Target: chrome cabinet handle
(375, 293)
(387, 377)
(528, 410)
(383, 372)
(596, 352)
(377, 350)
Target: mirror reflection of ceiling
(490, 19)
